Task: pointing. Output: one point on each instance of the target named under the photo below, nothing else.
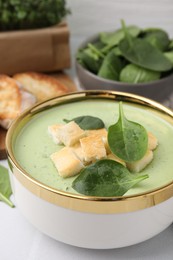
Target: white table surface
(19, 240)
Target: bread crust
(41, 85)
(10, 98)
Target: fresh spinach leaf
(89, 59)
(111, 67)
(80, 57)
(170, 47)
(5, 187)
(87, 122)
(98, 44)
(128, 140)
(95, 50)
(143, 54)
(117, 51)
(114, 38)
(106, 178)
(169, 56)
(157, 37)
(135, 74)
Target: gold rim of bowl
(99, 205)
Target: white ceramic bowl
(158, 90)
(89, 222)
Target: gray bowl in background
(159, 90)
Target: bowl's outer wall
(159, 90)
(90, 230)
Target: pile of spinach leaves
(130, 54)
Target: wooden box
(39, 50)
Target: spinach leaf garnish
(135, 74)
(142, 53)
(5, 187)
(87, 122)
(128, 140)
(106, 178)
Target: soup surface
(33, 145)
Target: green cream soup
(33, 145)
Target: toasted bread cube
(139, 165)
(66, 162)
(108, 150)
(70, 133)
(100, 133)
(152, 141)
(93, 148)
(77, 149)
(53, 130)
(112, 156)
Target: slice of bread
(10, 98)
(40, 85)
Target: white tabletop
(19, 240)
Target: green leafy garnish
(106, 178)
(87, 122)
(142, 53)
(5, 187)
(128, 140)
(135, 74)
